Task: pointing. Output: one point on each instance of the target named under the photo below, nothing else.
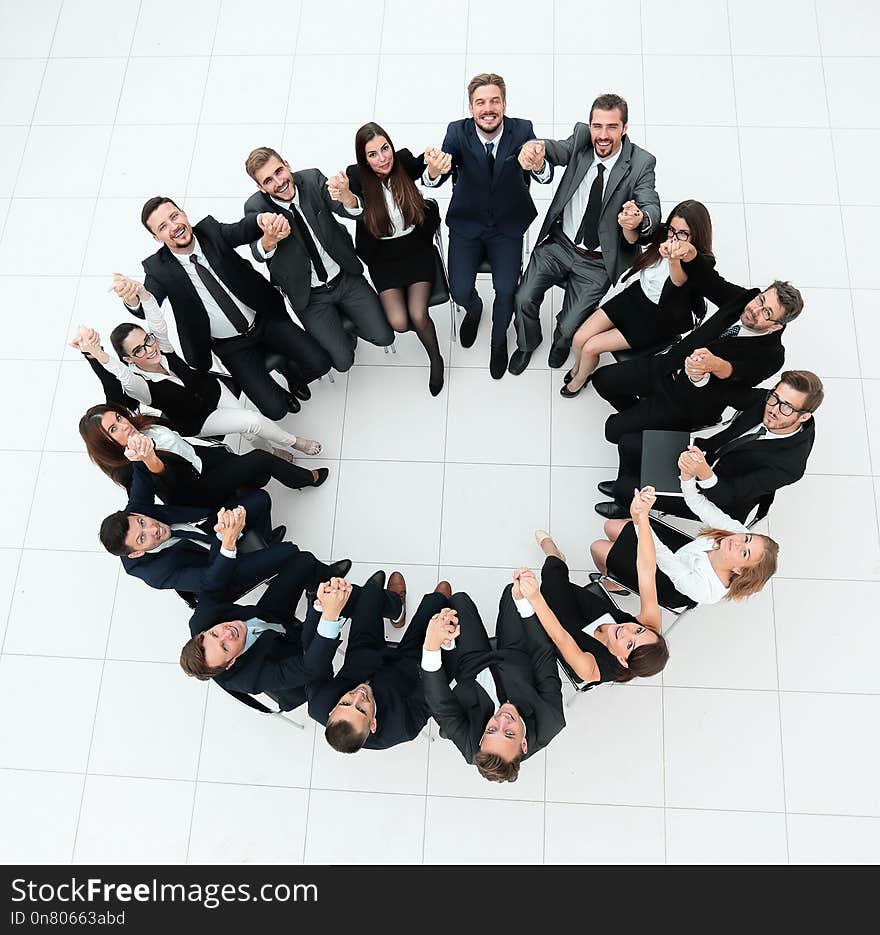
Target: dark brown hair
(257, 158)
(193, 662)
(644, 661)
(405, 193)
(495, 768)
(150, 206)
(790, 299)
(344, 738)
(106, 453)
(806, 382)
(487, 77)
(609, 102)
(752, 579)
(697, 217)
(113, 532)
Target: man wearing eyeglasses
(686, 387)
(765, 447)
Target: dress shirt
(744, 332)
(590, 628)
(397, 223)
(653, 278)
(255, 627)
(330, 264)
(192, 528)
(169, 440)
(220, 325)
(428, 182)
(712, 480)
(689, 569)
(330, 629)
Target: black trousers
(573, 605)
(245, 359)
(301, 572)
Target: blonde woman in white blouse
(725, 562)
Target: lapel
(503, 149)
(583, 161)
(476, 146)
(178, 278)
(619, 172)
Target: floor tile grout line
(456, 53)
(779, 694)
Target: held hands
(339, 190)
(229, 524)
(438, 162)
(692, 463)
(88, 341)
(630, 217)
(333, 595)
(642, 503)
(531, 156)
(680, 250)
(275, 228)
(701, 362)
(525, 584)
(139, 447)
(130, 291)
(442, 629)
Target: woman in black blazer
(394, 234)
(658, 306)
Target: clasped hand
(630, 217)
(442, 629)
(531, 156)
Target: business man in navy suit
(491, 207)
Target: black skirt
(401, 261)
(640, 321)
(622, 561)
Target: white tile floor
(757, 744)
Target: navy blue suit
(488, 215)
(187, 566)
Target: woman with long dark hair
(184, 475)
(394, 234)
(658, 306)
(599, 642)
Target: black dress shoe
(608, 487)
(519, 362)
(301, 391)
(557, 357)
(277, 535)
(498, 361)
(378, 577)
(323, 474)
(339, 569)
(293, 404)
(612, 510)
(467, 333)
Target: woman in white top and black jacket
(658, 306)
(725, 562)
(197, 403)
(183, 475)
(394, 234)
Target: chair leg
(288, 720)
(453, 320)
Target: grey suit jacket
(632, 178)
(289, 265)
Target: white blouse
(398, 229)
(169, 440)
(653, 279)
(689, 569)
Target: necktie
(739, 442)
(490, 156)
(220, 296)
(588, 232)
(193, 535)
(730, 332)
(300, 224)
(499, 685)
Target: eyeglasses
(785, 408)
(141, 349)
(765, 311)
(671, 233)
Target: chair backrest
(440, 288)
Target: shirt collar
(183, 258)
(484, 139)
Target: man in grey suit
(312, 259)
(605, 203)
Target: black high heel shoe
(435, 382)
(323, 474)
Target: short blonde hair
(257, 158)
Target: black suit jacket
(481, 200)
(187, 566)
(531, 680)
(166, 279)
(759, 468)
(273, 664)
(289, 266)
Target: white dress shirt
(653, 278)
(196, 540)
(169, 440)
(689, 569)
(220, 325)
(255, 627)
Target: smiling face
(150, 359)
(741, 550)
(504, 734)
(781, 424)
(275, 178)
(171, 227)
(380, 155)
(144, 534)
(763, 312)
(622, 638)
(358, 707)
(487, 107)
(678, 228)
(606, 131)
(224, 643)
(118, 427)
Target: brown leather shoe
(398, 586)
(444, 588)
